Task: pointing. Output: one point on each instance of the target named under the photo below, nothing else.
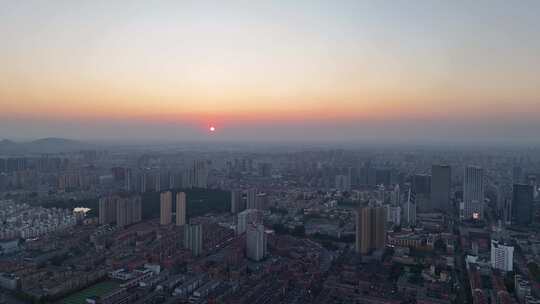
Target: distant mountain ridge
(42, 145)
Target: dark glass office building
(522, 204)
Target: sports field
(98, 289)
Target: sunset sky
(270, 70)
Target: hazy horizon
(270, 71)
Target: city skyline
(241, 152)
(322, 226)
(267, 71)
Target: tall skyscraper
(473, 192)
(255, 242)
(421, 185)
(440, 187)
(165, 208)
(180, 208)
(502, 256)
(370, 229)
(193, 238)
(522, 204)
(251, 199)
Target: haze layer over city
(268, 152)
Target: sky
(271, 70)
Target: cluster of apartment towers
(193, 233)
(249, 223)
(371, 220)
(125, 209)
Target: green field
(98, 289)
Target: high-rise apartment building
(165, 217)
(119, 209)
(502, 256)
(107, 210)
(122, 207)
(180, 209)
(473, 192)
(441, 176)
(196, 176)
(143, 178)
(201, 174)
(128, 210)
(193, 238)
(127, 180)
(255, 242)
(247, 217)
(171, 177)
(157, 181)
(370, 229)
(251, 198)
(236, 201)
